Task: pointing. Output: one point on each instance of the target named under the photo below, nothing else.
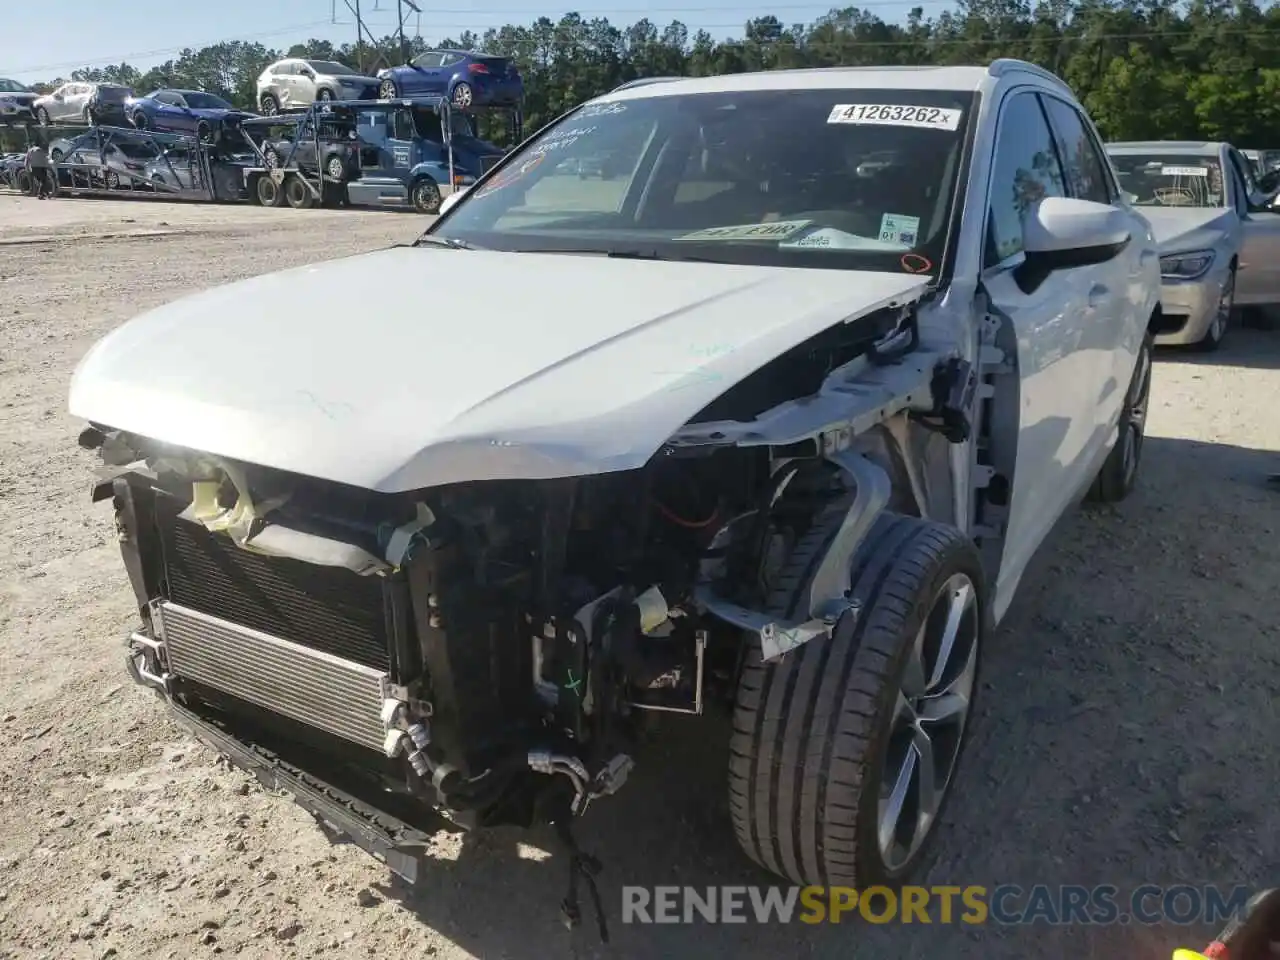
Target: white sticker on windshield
(829, 238)
(895, 228)
(896, 115)
(749, 231)
(1184, 171)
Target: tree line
(1145, 69)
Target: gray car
(294, 84)
(82, 102)
(1219, 238)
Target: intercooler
(312, 687)
(305, 641)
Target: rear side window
(1025, 169)
(1082, 160)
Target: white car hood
(1182, 229)
(412, 367)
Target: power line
(553, 43)
(585, 13)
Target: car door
(65, 102)
(1059, 381)
(303, 84)
(1116, 321)
(176, 114)
(286, 78)
(1258, 271)
(426, 75)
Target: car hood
(391, 372)
(1179, 229)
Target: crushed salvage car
(767, 431)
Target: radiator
(329, 693)
(325, 608)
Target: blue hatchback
(469, 80)
(181, 111)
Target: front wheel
(42, 117)
(140, 120)
(844, 750)
(269, 105)
(334, 167)
(324, 96)
(1213, 337)
(55, 155)
(203, 131)
(387, 90)
(1119, 473)
(112, 180)
(425, 196)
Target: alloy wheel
(1136, 415)
(462, 95)
(426, 197)
(387, 90)
(930, 715)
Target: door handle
(1098, 295)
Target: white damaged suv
(776, 417)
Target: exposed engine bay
(490, 650)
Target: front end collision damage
(527, 625)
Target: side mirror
(1063, 232)
(452, 199)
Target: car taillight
(478, 68)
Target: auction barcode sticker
(896, 115)
(1184, 171)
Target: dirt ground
(1126, 733)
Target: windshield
(859, 179)
(332, 68)
(12, 86)
(1170, 180)
(205, 101)
(112, 93)
(135, 151)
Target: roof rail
(643, 81)
(1006, 65)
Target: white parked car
(293, 84)
(1219, 236)
(770, 431)
(85, 103)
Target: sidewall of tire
(859, 654)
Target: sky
(39, 42)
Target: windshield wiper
(428, 239)
(626, 255)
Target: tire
(55, 155)
(203, 131)
(112, 180)
(424, 194)
(324, 96)
(297, 194)
(814, 732)
(269, 105)
(1217, 331)
(267, 193)
(335, 168)
(387, 90)
(1119, 473)
(22, 182)
(271, 158)
(42, 116)
(462, 96)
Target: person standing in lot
(37, 164)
